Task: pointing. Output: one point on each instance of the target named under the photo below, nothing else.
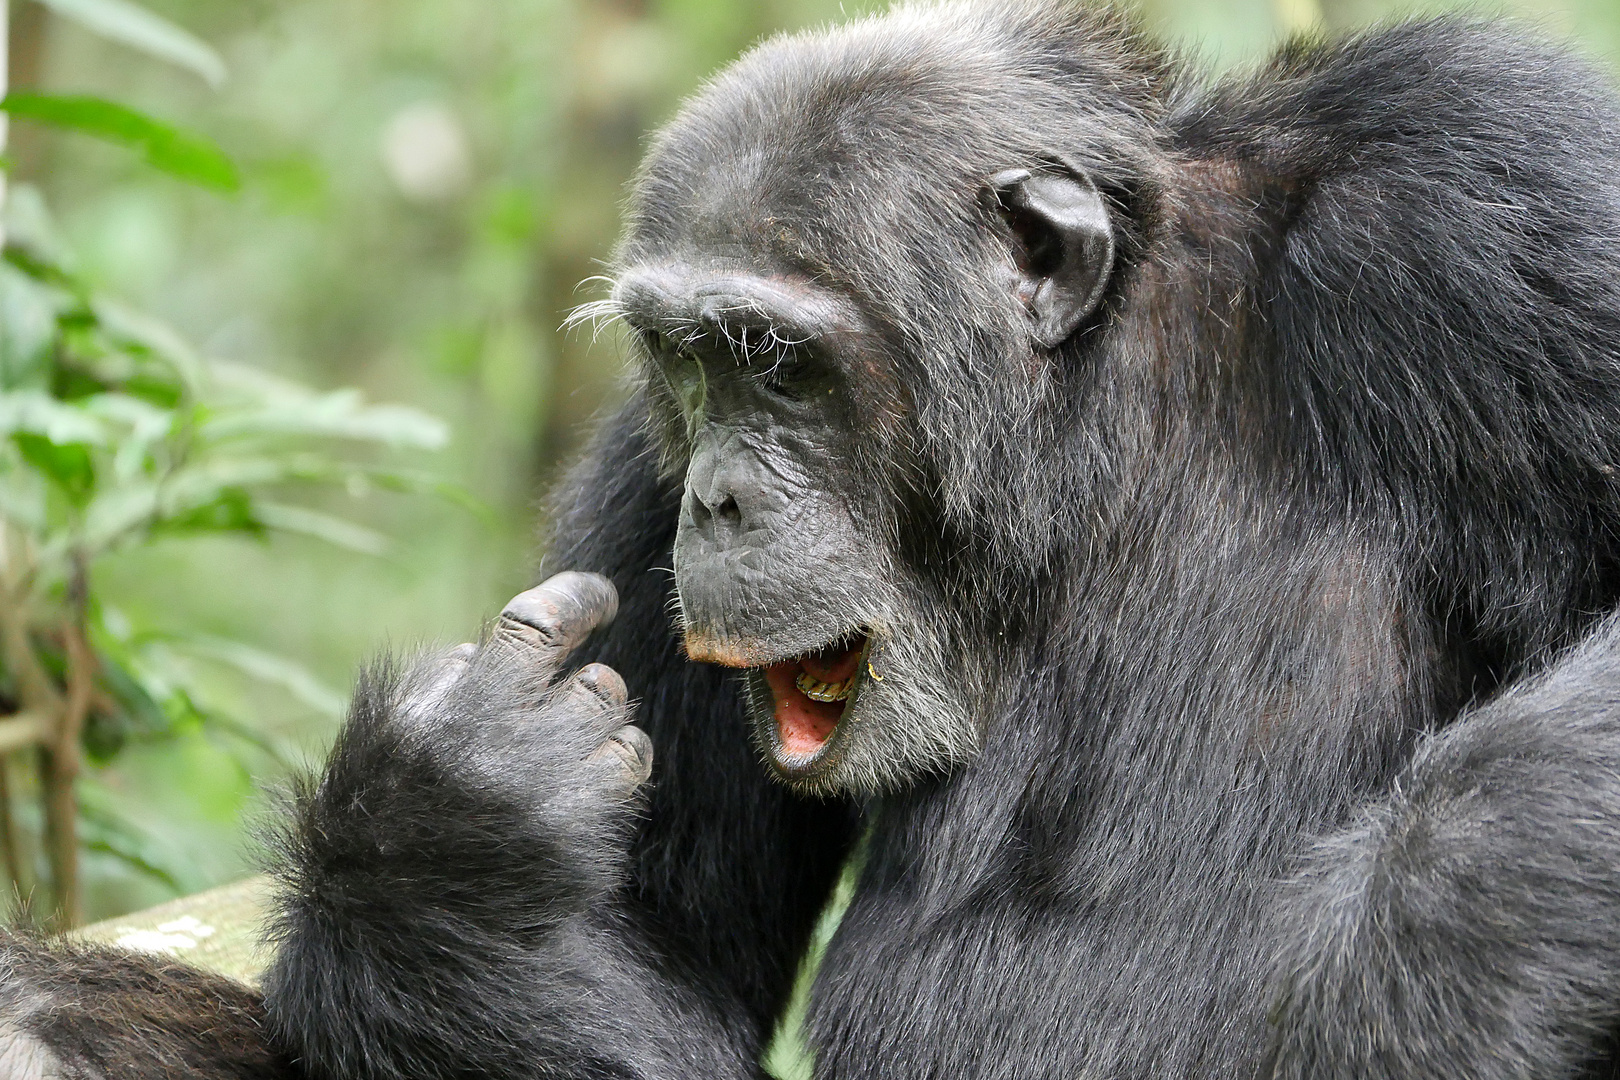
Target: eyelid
(660, 345)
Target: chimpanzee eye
(788, 376)
(686, 378)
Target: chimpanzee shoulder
(1442, 247)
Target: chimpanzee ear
(1065, 248)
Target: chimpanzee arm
(476, 887)
(1470, 925)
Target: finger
(436, 677)
(630, 750)
(605, 683)
(549, 621)
(595, 698)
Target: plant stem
(61, 758)
(5, 87)
(12, 840)
(36, 694)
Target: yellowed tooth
(816, 690)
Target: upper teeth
(816, 690)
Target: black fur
(1281, 585)
(447, 913)
(75, 1012)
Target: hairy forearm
(1423, 943)
(454, 897)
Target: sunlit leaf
(135, 26)
(341, 414)
(200, 481)
(313, 523)
(144, 426)
(125, 324)
(266, 667)
(119, 513)
(35, 412)
(179, 153)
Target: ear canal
(1062, 222)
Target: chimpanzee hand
(488, 783)
(538, 631)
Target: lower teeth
(816, 690)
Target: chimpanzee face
(782, 563)
(813, 326)
(770, 387)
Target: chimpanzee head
(855, 270)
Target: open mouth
(809, 695)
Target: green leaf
(140, 712)
(334, 530)
(231, 511)
(103, 831)
(119, 513)
(152, 336)
(341, 414)
(145, 426)
(266, 667)
(30, 225)
(68, 465)
(28, 313)
(179, 153)
(35, 412)
(23, 498)
(135, 26)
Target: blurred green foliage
(115, 435)
(422, 184)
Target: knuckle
(604, 683)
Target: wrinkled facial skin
(781, 568)
(765, 535)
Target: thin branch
(16, 861)
(62, 756)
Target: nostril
(709, 518)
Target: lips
(809, 696)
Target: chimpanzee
(1167, 524)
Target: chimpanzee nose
(716, 517)
(714, 478)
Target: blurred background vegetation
(422, 184)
